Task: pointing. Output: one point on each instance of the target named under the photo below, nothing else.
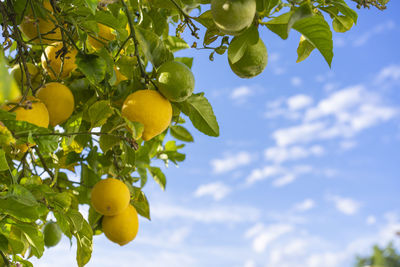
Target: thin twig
(44, 163)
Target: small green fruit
(52, 234)
(175, 81)
(233, 16)
(253, 61)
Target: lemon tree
(96, 88)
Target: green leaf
(92, 4)
(175, 44)
(3, 161)
(158, 176)
(188, 61)
(265, 6)
(181, 133)
(279, 25)
(3, 243)
(200, 112)
(99, 112)
(304, 50)
(342, 6)
(22, 195)
(8, 87)
(34, 238)
(342, 24)
(84, 239)
(14, 208)
(153, 47)
(128, 156)
(318, 33)
(140, 202)
(239, 46)
(93, 66)
(283, 24)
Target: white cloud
(280, 154)
(214, 214)
(282, 176)
(296, 81)
(262, 235)
(264, 173)
(371, 220)
(297, 102)
(380, 28)
(298, 134)
(217, 190)
(347, 144)
(231, 162)
(273, 57)
(241, 93)
(343, 114)
(388, 74)
(345, 205)
(305, 205)
(284, 180)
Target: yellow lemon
(55, 61)
(149, 108)
(37, 114)
(58, 100)
(105, 35)
(48, 30)
(19, 75)
(233, 16)
(121, 228)
(110, 196)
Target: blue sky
(305, 172)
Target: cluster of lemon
(111, 198)
(175, 82)
(234, 17)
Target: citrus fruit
(121, 228)
(19, 75)
(55, 61)
(6, 137)
(37, 114)
(253, 62)
(149, 108)
(175, 81)
(12, 93)
(48, 30)
(233, 16)
(110, 196)
(52, 234)
(105, 34)
(58, 100)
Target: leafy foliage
(385, 257)
(133, 38)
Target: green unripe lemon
(20, 77)
(233, 16)
(52, 234)
(175, 81)
(253, 62)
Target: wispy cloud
(343, 113)
(280, 154)
(240, 94)
(378, 29)
(281, 175)
(263, 235)
(305, 205)
(217, 190)
(296, 81)
(300, 101)
(215, 214)
(231, 161)
(345, 205)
